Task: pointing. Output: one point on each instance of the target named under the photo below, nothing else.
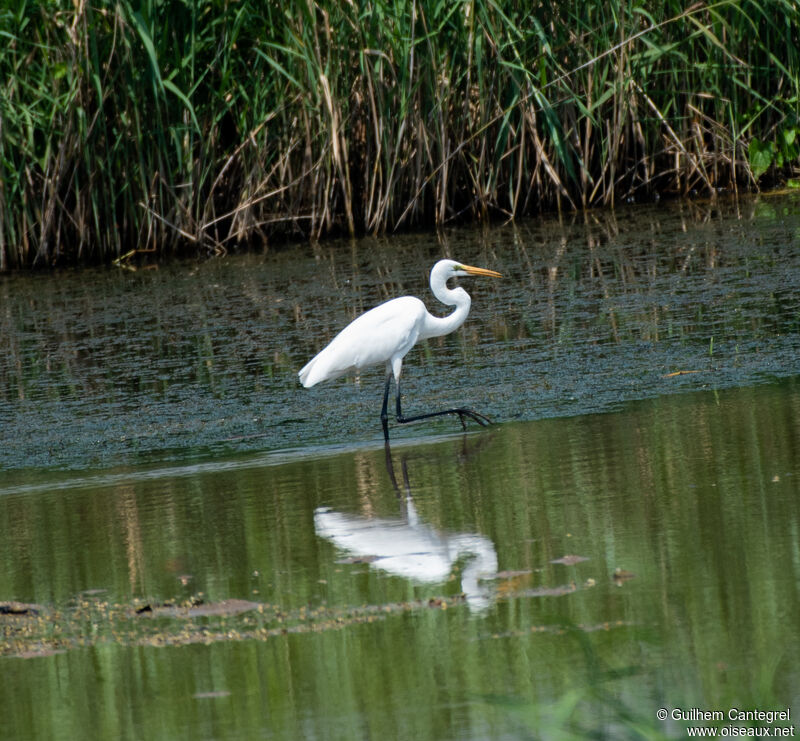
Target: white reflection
(406, 547)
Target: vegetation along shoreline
(203, 127)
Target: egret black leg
(462, 412)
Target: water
(198, 547)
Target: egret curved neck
(437, 326)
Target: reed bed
(170, 125)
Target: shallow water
(201, 548)
(106, 367)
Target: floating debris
(558, 591)
(510, 574)
(621, 576)
(200, 609)
(20, 608)
(31, 631)
(569, 560)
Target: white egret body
(385, 334)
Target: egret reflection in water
(408, 547)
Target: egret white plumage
(385, 334)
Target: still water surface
(200, 548)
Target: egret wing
(388, 331)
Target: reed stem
(206, 126)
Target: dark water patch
(101, 368)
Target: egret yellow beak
(480, 271)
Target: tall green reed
(199, 126)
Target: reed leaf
(203, 127)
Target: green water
(202, 549)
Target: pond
(196, 546)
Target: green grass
(205, 126)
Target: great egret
(386, 333)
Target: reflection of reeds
(204, 125)
(695, 495)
